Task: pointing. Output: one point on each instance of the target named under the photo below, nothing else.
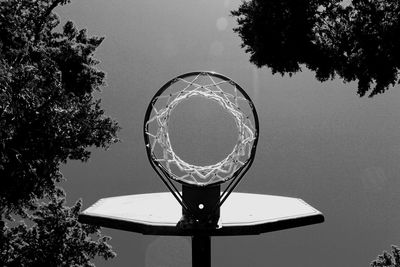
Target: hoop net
(213, 87)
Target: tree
(55, 239)
(387, 259)
(48, 115)
(356, 40)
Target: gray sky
(319, 141)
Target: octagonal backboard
(241, 214)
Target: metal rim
(159, 167)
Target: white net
(212, 87)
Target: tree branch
(42, 18)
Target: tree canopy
(356, 40)
(388, 259)
(48, 115)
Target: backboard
(201, 208)
(241, 214)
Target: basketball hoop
(200, 199)
(201, 196)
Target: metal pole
(201, 251)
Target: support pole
(201, 251)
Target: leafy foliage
(55, 239)
(356, 40)
(48, 115)
(387, 259)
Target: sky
(318, 141)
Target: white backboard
(241, 214)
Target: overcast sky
(319, 141)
